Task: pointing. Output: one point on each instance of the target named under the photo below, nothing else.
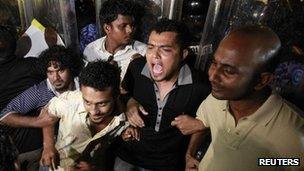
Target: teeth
(157, 68)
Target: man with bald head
(246, 119)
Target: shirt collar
(52, 88)
(123, 51)
(184, 76)
(266, 112)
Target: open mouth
(157, 69)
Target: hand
(130, 133)
(50, 157)
(84, 166)
(191, 163)
(132, 113)
(44, 119)
(187, 124)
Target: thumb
(141, 108)
(173, 123)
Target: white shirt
(96, 50)
(74, 133)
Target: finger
(135, 117)
(174, 123)
(141, 108)
(136, 134)
(131, 119)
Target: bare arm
(50, 155)
(187, 124)
(133, 108)
(18, 120)
(195, 141)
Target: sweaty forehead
(237, 52)
(163, 38)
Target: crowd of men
(133, 106)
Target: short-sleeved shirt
(161, 146)
(74, 132)
(273, 131)
(97, 50)
(29, 103)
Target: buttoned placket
(235, 134)
(160, 105)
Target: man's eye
(229, 71)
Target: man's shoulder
(95, 43)
(138, 64)
(140, 47)
(92, 52)
(71, 95)
(291, 114)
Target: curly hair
(8, 152)
(166, 25)
(111, 8)
(100, 75)
(64, 56)
(7, 42)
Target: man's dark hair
(65, 58)
(8, 152)
(166, 25)
(7, 42)
(101, 75)
(111, 8)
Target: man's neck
(112, 46)
(95, 128)
(246, 107)
(165, 86)
(71, 87)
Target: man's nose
(213, 74)
(56, 76)
(93, 110)
(129, 29)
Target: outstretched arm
(16, 113)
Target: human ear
(265, 79)
(106, 28)
(185, 53)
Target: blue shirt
(29, 103)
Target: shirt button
(228, 130)
(158, 99)
(157, 123)
(160, 108)
(159, 115)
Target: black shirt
(16, 75)
(161, 146)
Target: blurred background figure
(8, 153)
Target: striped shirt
(33, 98)
(27, 104)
